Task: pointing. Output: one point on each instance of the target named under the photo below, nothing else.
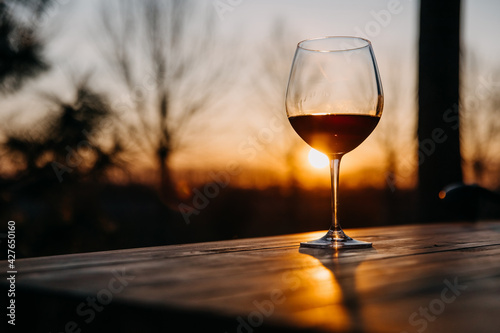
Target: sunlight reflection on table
(327, 294)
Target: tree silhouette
(67, 144)
(20, 48)
(480, 103)
(270, 83)
(170, 70)
(396, 136)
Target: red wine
(334, 133)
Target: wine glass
(334, 100)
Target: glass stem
(335, 230)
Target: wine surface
(334, 133)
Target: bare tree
(270, 85)
(480, 102)
(396, 133)
(170, 69)
(396, 136)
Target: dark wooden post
(438, 121)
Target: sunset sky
(246, 127)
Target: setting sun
(317, 159)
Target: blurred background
(139, 123)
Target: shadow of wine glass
(343, 266)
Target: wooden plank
(405, 235)
(242, 281)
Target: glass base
(336, 240)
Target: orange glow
(318, 295)
(327, 292)
(323, 290)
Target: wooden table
(419, 278)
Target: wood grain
(270, 285)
